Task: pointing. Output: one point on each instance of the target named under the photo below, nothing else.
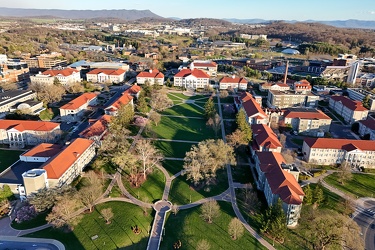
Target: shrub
(304, 177)
(319, 173)
(25, 213)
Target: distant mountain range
(351, 23)
(78, 14)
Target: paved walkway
(182, 116)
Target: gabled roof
(114, 72)
(43, 150)
(314, 114)
(79, 101)
(251, 106)
(205, 64)
(237, 80)
(350, 104)
(64, 72)
(331, 143)
(124, 99)
(151, 74)
(280, 181)
(370, 123)
(264, 136)
(60, 163)
(195, 72)
(133, 90)
(97, 128)
(21, 125)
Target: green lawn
(188, 227)
(361, 185)
(299, 142)
(173, 149)
(173, 167)
(183, 192)
(175, 97)
(8, 157)
(229, 99)
(184, 110)
(183, 129)
(116, 235)
(133, 130)
(39, 220)
(151, 190)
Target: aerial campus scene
(187, 125)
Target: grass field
(173, 149)
(184, 110)
(361, 185)
(116, 235)
(8, 157)
(173, 167)
(183, 129)
(39, 220)
(188, 227)
(183, 192)
(151, 190)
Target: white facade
(191, 82)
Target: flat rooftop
(14, 174)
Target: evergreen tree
(209, 109)
(274, 221)
(318, 195)
(366, 101)
(244, 126)
(141, 103)
(308, 195)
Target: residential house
(75, 109)
(192, 78)
(254, 112)
(97, 129)
(21, 133)
(367, 128)
(123, 100)
(209, 67)
(65, 77)
(9, 99)
(152, 77)
(279, 180)
(307, 121)
(100, 75)
(234, 83)
(264, 139)
(329, 151)
(350, 110)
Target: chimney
(286, 72)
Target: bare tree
(288, 155)
(236, 139)
(91, 191)
(128, 162)
(210, 210)
(148, 155)
(345, 173)
(282, 139)
(235, 228)
(175, 209)
(215, 123)
(203, 245)
(107, 214)
(224, 94)
(160, 100)
(76, 88)
(64, 213)
(48, 94)
(155, 117)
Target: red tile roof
(64, 72)
(195, 72)
(151, 74)
(251, 106)
(330, 143)
(79, 101)
(280, 84)
(124, 99)
(59, 164)
(205, 64)
(133, 90)
(265, 137)
(309, 114)
(227, 79)
(370, 123)
(350, 104)
(21, 125)
(97, 128)
(43, 150)
(114, 72)
(280, 181)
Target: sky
(242, 9)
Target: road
(342, 131)
(365, 218)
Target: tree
(141, 104)
(282, 139)
(203, 161)
(107, 214)
(64, 212)
(210, 210)
(366, 101)
(48, 94)
(45, 199)
(235, 228)
(345, 173)
(318, 195)
(56, 82)
(288, 155)
(224, 94)
(155, 117)
(91, 191)
(160, 101)
(243, 125)
(5, 193)
(215, 123)
(331, 229)
(76, 88)
(168, 83)
(308, 199)
(148, 155)
(125, 116)
(236, 139)
(209, 109)
(203, 245)
(274, 222)
(129, 163)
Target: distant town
(189, 134)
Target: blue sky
(242, 9)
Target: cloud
(372, 12)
